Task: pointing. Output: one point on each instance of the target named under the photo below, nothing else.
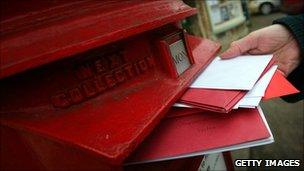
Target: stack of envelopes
(240, 82)
(219, 112)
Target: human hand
(274, 39)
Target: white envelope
(240, 73)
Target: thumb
(240, 47)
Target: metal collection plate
(179, 56)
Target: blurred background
(227, 20)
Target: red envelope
(178, 137)
(182, 111)
(215, 100)
(279, 86)
(212, 99)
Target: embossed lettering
(115, 61)
(98, 76)
(150, 61)
(60, 100)
(75, 95)
(89, 88)
(143, 65)
(120, 76)
(84, 72)
(129, 71)
(99, 84)
(111, 82)
(100, 66)
(137, 69)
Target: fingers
(256, 52)
(241, 46)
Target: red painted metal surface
(99, 83)
(48, 30)
(109, 125)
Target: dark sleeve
(295, 24)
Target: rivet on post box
(84, 82)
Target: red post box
(84, 82)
